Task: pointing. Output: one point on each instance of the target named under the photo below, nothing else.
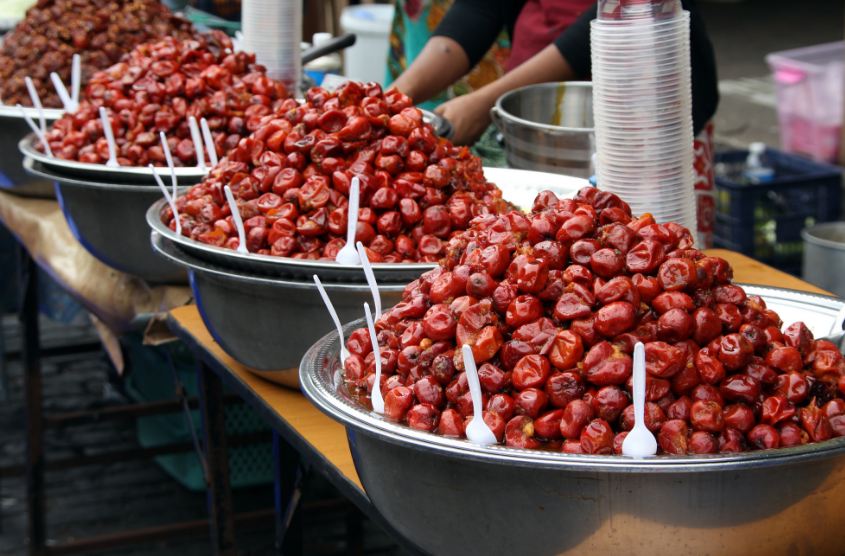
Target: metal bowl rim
(40, 170)
(351, 415)
(195, 265)
(537, 125)
(26, 147)
(809, 237)
(9, 111)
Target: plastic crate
(151, 379)
(809, 83)
(765, 220)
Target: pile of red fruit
(552, 304)
(156, 88)
(100, 31)
(292, 177)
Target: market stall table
(318, 441)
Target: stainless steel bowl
(101, 172)
(449, 496)
(266, 323)
(518, 186)
(13, 178)
(108, 220)
(548, 127)
(824, 256)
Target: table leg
(288, 475)
(216, 463)
(30, 347)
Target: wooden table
(319, 441)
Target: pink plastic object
(810, 84)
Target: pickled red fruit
(519, 433)
(397, 402)
(556, 372)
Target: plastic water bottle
(756, 168)
(324, 65)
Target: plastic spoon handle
(169, 158)
(477, 431)
(36, 102)
(343, 352)
(371, 278)
(236, 216)
(375, 397)
(107, 131)
(75, 78)
(197, 140)
(169, 198)
(210, 147)
(639, 383)
(474, 385)
(36, 131)
(67, 101)
(352, 221)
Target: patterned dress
(413, 23)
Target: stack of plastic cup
(642, 104)
(272, 29)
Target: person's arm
(470, 114)
(456, 46)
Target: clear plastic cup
(638, 39)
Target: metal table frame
(294, 457)
(36, 464)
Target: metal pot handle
(497, 118)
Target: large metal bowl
(449, 496)
(548, 127)
(266, 323)
(520, 187)
(107, 218)
(13, 178)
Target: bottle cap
(320, 38)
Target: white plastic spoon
(640, 442)
(477, 430)
(210, 147)
(236, 216)
(376, 397)
(64, 96)
(75, 78)
(371, 278)
(36, 130)
(107, 131)
(168, 157)
(197, 139)
(344, 353)
(171, 199)
(36, 102)
(348, 254)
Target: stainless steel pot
(267, 323)
(107, 218)
(13, 178)
(548, 127)
(824, 256)
(449, 496)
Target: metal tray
(564, 503)
(108, 220)
(188, 174)
(266, 323)
(518, 186)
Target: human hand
(469, 115)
